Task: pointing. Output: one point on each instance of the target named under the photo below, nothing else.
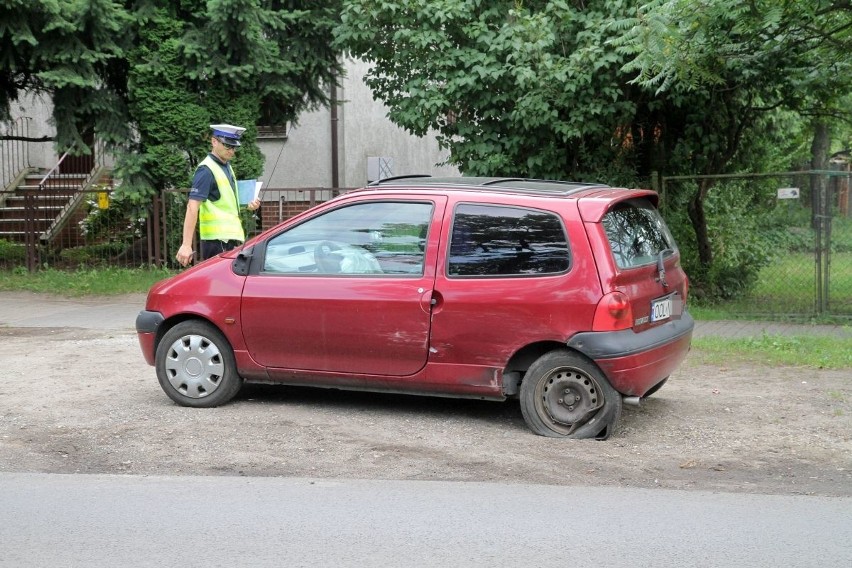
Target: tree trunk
(695, 208)
(819, 161)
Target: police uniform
(215, 186)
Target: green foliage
(613, 90)
(149, 76)
(731, 214)
(91, 255)
(510, 89)
(11, 253)
(115, 223)
(67, 49)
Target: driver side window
(366, 238)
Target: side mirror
(242, 263)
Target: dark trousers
(210, 249)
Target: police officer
(213, 201)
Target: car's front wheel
(563, 394)
(195, 365)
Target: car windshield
(637, 234)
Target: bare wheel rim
(567, 398)
(194, 366)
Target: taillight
(613, 312)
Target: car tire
(195, 365)
(564, 395)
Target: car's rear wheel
(563, 394)
(195, 365)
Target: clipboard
(248, 190)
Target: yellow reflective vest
(220, 219)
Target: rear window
(637, 234)
(491, 240)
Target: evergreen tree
(149, 76)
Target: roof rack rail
(541, 180)
(394, 178)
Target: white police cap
(227, 133)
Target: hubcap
(194, 366)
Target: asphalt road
(101, 520)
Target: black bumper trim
(612, 344)
(148, 322)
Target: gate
(781, 241)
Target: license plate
(661, 309)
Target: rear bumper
(635, 362)
(147, 324)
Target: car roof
(547, 188)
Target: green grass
(774, 350)
(83, 282)
(786, 289)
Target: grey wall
(364, 131)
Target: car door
(347, 290)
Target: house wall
(40, 111)
(363, 131)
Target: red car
(568, 296)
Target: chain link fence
(781, 243)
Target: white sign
(788, 193)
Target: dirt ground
(83, 401)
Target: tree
(149, 76)
(741, 61)
(69, 51)
(606, 89)
(510, 87)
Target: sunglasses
(227, 145)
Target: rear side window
(490, 240)
(637, 234)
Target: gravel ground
(84, 401)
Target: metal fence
(49, 225)
(781, 242)
(14, 153)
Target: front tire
(196, 366)
(564, 395)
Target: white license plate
(662, 309)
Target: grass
(83, 282)
(816, 352)
(786, 288)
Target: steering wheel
(325, 258)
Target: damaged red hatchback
(567, 296)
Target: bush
(741, 238)
(12, 253)
(91, 254)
